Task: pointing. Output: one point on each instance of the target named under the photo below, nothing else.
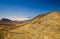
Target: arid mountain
(5, 21)
(46, 26)
(8, 21)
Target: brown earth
(46, 26)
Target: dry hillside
(46, 26)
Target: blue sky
(14, 9)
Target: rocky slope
(45, 26)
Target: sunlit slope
(31, 22)
(47, 27)
(50, 19)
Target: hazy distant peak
(5, 19)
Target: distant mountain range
(8, 21)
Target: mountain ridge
(45, 27)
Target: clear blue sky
(26, 8)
